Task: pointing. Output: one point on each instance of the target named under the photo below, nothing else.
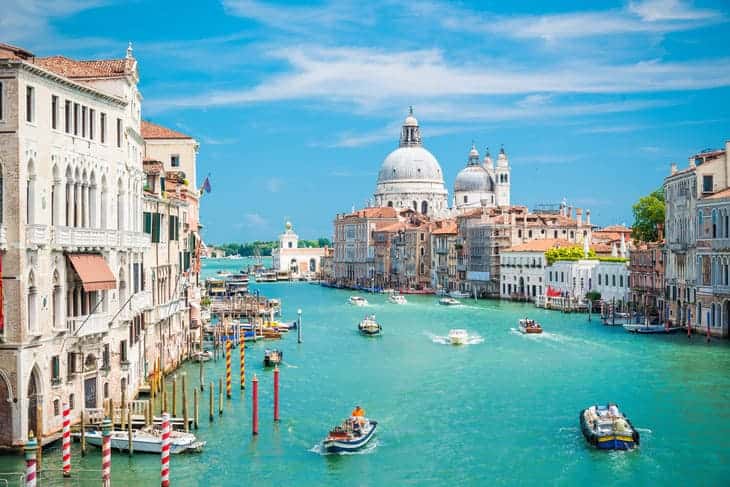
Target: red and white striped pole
(30, 461)
(255, 408)
(66, 444)
(165, 458)
(106, 453)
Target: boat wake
(367, 449)
(290, 366)
(444, 340)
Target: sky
(296, 104)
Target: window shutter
(147, 222)
(156, 227)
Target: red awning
(94, 272)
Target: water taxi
(147, 440)
(606, 428)
(353, 434)
(448, 301)
(529, 326)
(273, 357)
(458, 336)
(368, 326)
(397, 299)
(357, 301)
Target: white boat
(353, 434)
(224, 274)
(447, 301)
(458, 294)
(458, 336)
(616, 319)
(649, 329)
(203, 356)
(368, 326)
(147, 440)
(397, 299)
(357, 301)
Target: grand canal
(500, 412)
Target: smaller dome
(473, 179)
(288, 226)
(473, 152)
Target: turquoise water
(500, 412)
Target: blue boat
(606, 428)
(352, 435)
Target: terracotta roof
(153, 131)
(720, 194)
(8, 51)
(541, 245)
(384, 212)
(390, 227)
(98, 68)
(446, 227)
(614, 228)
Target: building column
(77, 206)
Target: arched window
(57, 302)
(1, 192)
(121, 202)
(424, 207)
(415, 206)
(30, 194)
(56, 190)
(312, 265)
(714, 223)
(32, 298)
(104, 204)
(390, 204)
(290, 244)
(93, 202)
(122, 287)
(466, 199)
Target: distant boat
(357, 301)
(447, 301)
(458, 336)
(397, 299)
(616, 319)
(458, 294)
(529, 326)
(273, 357)
(649, 329)
(147, 440)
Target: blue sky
(296, 104)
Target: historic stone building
(444, 235)
(646, 269)
(523, 269)
(298, 262)
(71, 241)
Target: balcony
(720, 243)
(142, 301)
(164, 311)
(137, 240)
(81, 326)
(36, 235)
(77, 238)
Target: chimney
(673, 169)
(579, 216)
(588, 217)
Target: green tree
(567, 253)
(648, 213)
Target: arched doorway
(312, 265)
(6, 412)
(522, 286)
(34, 396)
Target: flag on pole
(205, 187)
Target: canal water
(501, 411)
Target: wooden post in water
(130, 447)
(202, 376)
(185, 401)
(163, 404)
(210, 390)
(174, 396)
(122, 411)
(196, 411)
(148, 414)
(83, 433)
(220, 396)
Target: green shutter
(147, 222)
(156, 227)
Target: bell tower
(503, 179)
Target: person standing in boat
(358, 412)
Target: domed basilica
(411, 177)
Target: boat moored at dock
(147, 440)
(647, 329)
(606, 428)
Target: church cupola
(488, 163)
(473, 156)
(411, 133)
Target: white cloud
(254, 220)
(368, 76)
(660, 10)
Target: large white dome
(410, 164)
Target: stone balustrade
(97, 238)
(36, 235)
(80, 326)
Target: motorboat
(353, 434)
(642, 328)
(203, 356)
(357, 301)
(397, 299)
(606, 428)
(527, 325)
(147, 440)
(449, 301)
(458, 336)
(616, 319)
(273, 357)
(458, 294)
(368, 326)
(223, 274)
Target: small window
(67, 116)
(76, 119)
(29, 104)
(106, 390)
(71, 401)
(119, 132)
(55, 370)
(175, 160)
(83, 121)
(290, 244)
(54, 112)
(92, 122)
(123, 351)
(2, 99)
(707, 184)
(102, 127)
(106, 358)
(56, 407)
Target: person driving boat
(358, 412)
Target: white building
(411, 177)
(522, 269)
(71, 239)
(298, 262)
